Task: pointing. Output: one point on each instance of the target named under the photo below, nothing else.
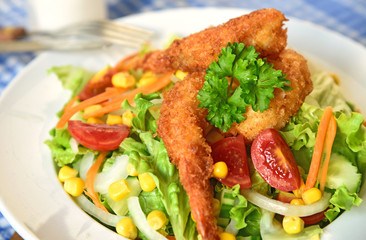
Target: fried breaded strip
(261, 29)
(181, 125)
(284, 104)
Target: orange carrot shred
(109, 93)
(71, 103)
(90, 178)
(116, 102)
(318, 148)
(331, 133)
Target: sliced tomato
(285, 197)
(274, 161)
(97, 84)
(99, 137)
(232, 151)
(312, 219)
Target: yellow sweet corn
(216, 207)
(292, 225)
(94, 120)
(298, 192)
(96, 77)
(127, 118)
(214, 136)
(147, 79)
(226, 236)
(92, 109)
(123, 80)
(311, 196)
(118, 190)
(180, 74)
(126, 228)
(131, 170)
(157, 219)
(147, 183)
(74, 186)
(66, 172)
(297, 202)
(220, 170)
(114, 119)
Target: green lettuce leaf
(60, 147)
(342, 199)
(72, 77)
(148, 154)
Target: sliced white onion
(139, 219)
(116, 172)
(231, 227)
(286, 209)
(74, 145)
(106, 218)
(85, 163)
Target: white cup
(54, 14)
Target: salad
(112, 161)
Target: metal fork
(84, 35)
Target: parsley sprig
(257, 80)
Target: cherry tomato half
(232, 151)
(315, 218)
(274, 161)
(99, 137)
(97, 84)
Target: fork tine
(115, 32)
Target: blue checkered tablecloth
(347, 17)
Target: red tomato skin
(93, 88)
(98, 137)
(312, 219)
(274, 161)
(285, 197)
(231, 150)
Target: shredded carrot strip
(127, 63)
(318, 148)
(109, 93)
(89, 180)
(331, 132)
(116, 102)
(71, 103)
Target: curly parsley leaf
(257, 80)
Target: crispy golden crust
(181, 125)
(284, 104)
(261, 29)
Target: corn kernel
(126, 228)
(94, 120)
(114, 119)
(147, 182)
(92, 109)
(66, 172)
(98, 76)
(226, 236)
(292, 225)
(220, 170)
(180, 74)
(118, 190)
(74, 186)
(157, 219)
(127, 118)
(131, 170)
(311, 196)
(297, 202)
(298, 192)
(315, 237)
(123, 80)
(216, 207)
(147, 79)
